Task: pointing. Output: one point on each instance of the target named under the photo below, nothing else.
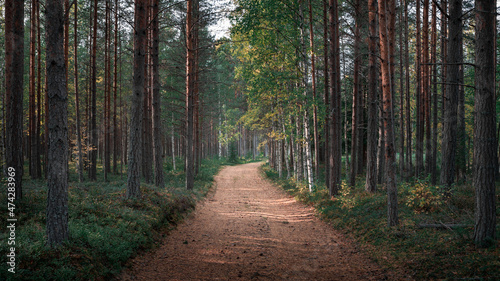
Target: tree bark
(57, 180)
(334, 114)
(386, 31)
(77, 100)
(326, 54)
(485, 153)
(33, 145)
(315, 107)
(371, 161)
(93, 103)
(427, 89)
(116, 135)
(409, 152)
(14, 65)
(356, 109)
(419, 141)
(157, 125)
(454, 58)
(190, 82)
(433, 156)
(137, 99)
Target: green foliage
(423, 197)
(105, 229)
(233, 153)
(422, 253)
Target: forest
(117, 117)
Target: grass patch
(105, 229)
(423, 253)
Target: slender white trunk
(308, 152)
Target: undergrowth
(105, 229)
(423, 253)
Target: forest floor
(249, 229)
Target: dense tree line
(101, 93)
(398, 103)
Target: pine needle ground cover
(424, 253)
(105, 229)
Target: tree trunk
(326, 54)
(315, 107)
(334, 115)
(401, 94)
(433, 156)
(147, 124)
(308, 171)
(381, 138)
(57, 180)
(386, 31)
(409, 152)
(116, 136)
(137, 99)
(190, 83)
(485, 153)
(371, 160)
(107, 92)
(426, 88)
(454, 59)
(356, 96)
(77, 100)
(39, 93)
(157, 129)
(93, 105)
(33, 146)
(419, 142)
(14, 66)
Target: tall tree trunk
(419, 144)
(356, 109)
(433, 156)
(32, 145)
(147, 137)
(454, 59)
(409, 152)
(77, 100)
(116, 136)
(14, 65)
(371, 160)
(485, 153)
(427, 88)
(190, 83)
(386, 31)
(93, 103)
(196, 113)
(39, 92)
(157, 128)
(305, 77)
(57, 180)
(137, 99)
(326, 54)
(401, 93)
(107, 70)
(315, 107)
(334, 115)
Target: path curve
(250, 229)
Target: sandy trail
(249, 229)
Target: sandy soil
(248, 229)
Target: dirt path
(251, 230)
